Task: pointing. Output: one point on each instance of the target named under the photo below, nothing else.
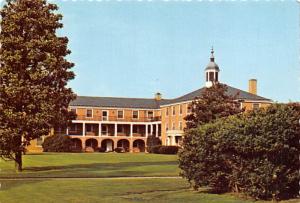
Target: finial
(212, 58)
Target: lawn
(93, 165)
(48, 178)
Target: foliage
(33, 75)
(152, 141)
(160, 149)
(57, 143)
(255, 153)
(119, 150)
(154, 149)
(101, 149)
(213, 103)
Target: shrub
(57, 143)
(168, 149)
(101, 149)
(119, 150)
(154, 149)
(151, 142)
(255, 153)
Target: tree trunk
(18, 161)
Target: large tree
(34, 72)
(213, 103)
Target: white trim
(118, 122)
(149, 118)
(122, 114)
(138, 115)
(112, 108)
(249, 101)
(86, 110)
(107, 111)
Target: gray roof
(241, 95)
(212, 66)
(112, 102)
(142, 103)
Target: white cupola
(211, 71)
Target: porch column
(156, 133)
(100, 130)
(67, 131)
(83, 129)
(151, 129)
(116, 129)
(131, 130)
(146, 130)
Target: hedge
(255, 153)
(57, 143)
(160, 149)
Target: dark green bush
(255, 153)
(168, 150)
(101, 149)
(154, 149)
(151, 142)
(119, 150)
(57, 143)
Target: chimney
(157, 96)
(253, 86)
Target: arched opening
(108, 145)
(76, 145)
(92, 143)
(139, 146)
(124, 144)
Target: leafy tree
(33, 75)
(213, 103)
(255, 153)
(57, 143)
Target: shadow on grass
(99, 166)
(9, 184)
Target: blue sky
(134, 49)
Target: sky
(135, 49)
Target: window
(217, 78)
(206, 76)
(189, 108)
(120, 114)
(104, 129)
(89, 113)
(39, 141)
(105, 115)
(167, 126)
(211, 76)
(135, 129)
(173, 110)
(180, 125)
(73, 110)
(255, 106)
(167, 111)
(135, 114)
(89, 128)
(150, 114)
(120, 129)
(180, 109)
(173, 126)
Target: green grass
(43, 187)
(92, 165)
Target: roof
(143, 103)
(212, 66)
(112, 102)
(241, 95)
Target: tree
(213, 103)
(255, 153)
(33, 75)
(57, 143)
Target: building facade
(111, 122)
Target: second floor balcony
(115, 118)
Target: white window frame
(104, 132)
(173, 110)
(122, 114)
(138, 114)
(149, 118)
(254, 104)
(180, 125)
(107, 117)
(173, 125)
(89, 116)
